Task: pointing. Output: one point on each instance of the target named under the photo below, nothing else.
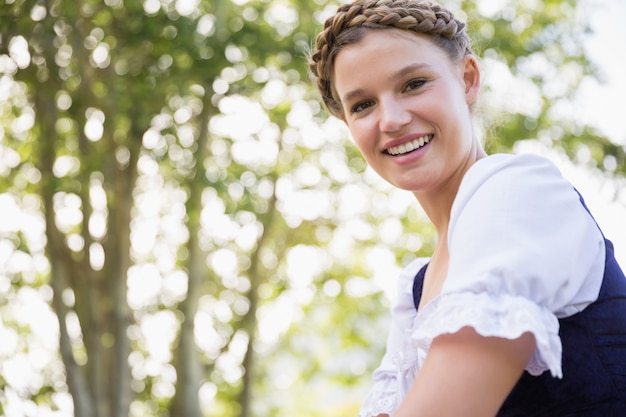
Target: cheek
(362, 135)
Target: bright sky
(603, 106)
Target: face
(407, 107)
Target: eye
(415, 84)
(359, 107)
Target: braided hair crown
(349, 23)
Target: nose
(393, 115)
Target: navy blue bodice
(593, 362)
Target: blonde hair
(352, 20)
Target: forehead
(383, 50)
(389, 42)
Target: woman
(521, 309)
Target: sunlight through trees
(185, 232)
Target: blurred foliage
(186, 231)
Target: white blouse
(523, 252)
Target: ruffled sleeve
(523, 252)
(386, 393)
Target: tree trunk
(60, 260)
(249, 320)
(189, 367)
(118, 255)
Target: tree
(118, 90)
(195, 201)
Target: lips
(409, 146)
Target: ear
(471, 78)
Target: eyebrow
(402, 72)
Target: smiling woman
(521, 280)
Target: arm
(466, 374)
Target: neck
(437, 203)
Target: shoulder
(511, 173)
(526, 185)
(501, 162)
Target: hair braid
(348, 24)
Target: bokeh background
(185, 232)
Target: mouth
(409, 146)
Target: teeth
(410, 146)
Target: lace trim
(382, 399)
(491, 315)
